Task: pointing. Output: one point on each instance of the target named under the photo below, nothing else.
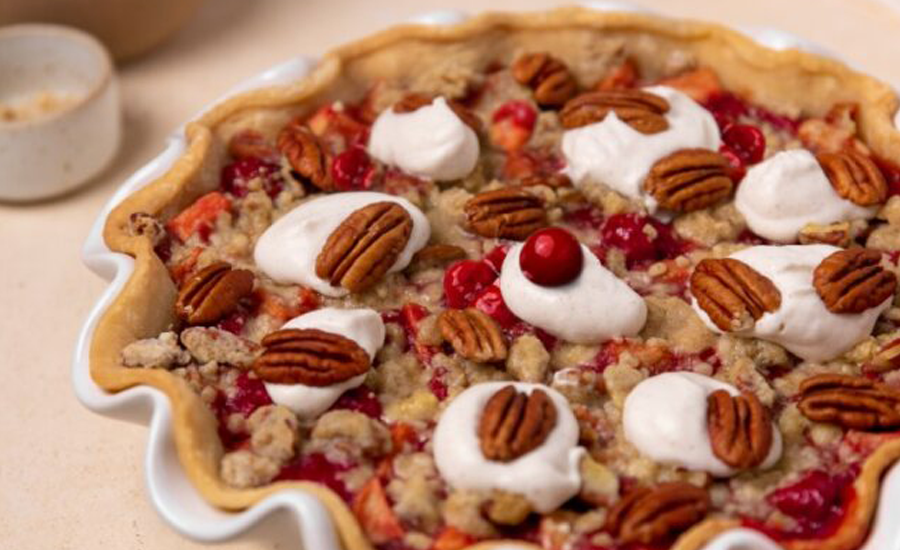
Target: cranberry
(517, 111)
(361, 399)
(352, 170)
(491, 302)
(437, 385)
(816, 501)
(551, 257)
(747, 142)
(236, 175)
(464, 280)
(629, 233)
(316, 467)
(495, 257)
(726, 108)
(251, 394)
(234, 323)
(891, 175)
(736, 168)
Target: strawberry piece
(377, 519)
(700, 84)
(279, 308)
(183, 269)
(204, 211)
(451, 538)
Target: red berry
(316, 467)
(520, 112)
(747, 142)
(352, 170)
(630, 234)
(495, 257)
(464, 280)
(551, 257)
(237, 175)
(360, 399)
(736, 168)
(491, 302)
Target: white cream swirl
(547, 476)
(595, 307)
(363, 326)
(784, 193)
(288, 249)
(613, 153)
(803, 325)
(665, 419)
(431, 142)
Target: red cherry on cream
(551, 257)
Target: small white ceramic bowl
(66, 76)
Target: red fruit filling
(491, 302)
(642, 239)
(437, 385)
(352, 170)
(360, 399)
(817, 502)
(236, 176)
(736, 167)
(746, 141)
(250, 395)
(316, 467)
(465, 280)
(551, 257)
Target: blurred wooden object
(128, 28)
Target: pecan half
(646, 515)
(855, 177)
(852, 281)
(437, 254)
(305, 154)
(212, 293)
(508, 213)
(309, 356)
(850, 401)
(551, 80)
(414, 101)
(689, 180)
(740, 429)
(641, 110)
(514, 423)
(732, 293)
(473, 334)
(364, 246)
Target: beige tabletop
(73, 480)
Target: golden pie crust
(790, 80)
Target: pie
(577, 280)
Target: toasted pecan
(473, 334)
(305, 154)
(853, 280)
(212, 293)
(849, 401)
(648, 515)
(740, 429)
(365, 246)
(311, 357)
(643, 111)
(549, 78)
(733, 294)
(514, 423)
(855, 177)
(689, 179)
(507, 213)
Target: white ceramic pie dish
(173, 495)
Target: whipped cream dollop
(784, 193)
(665, 419)
(363, 326)
(613, 153)
(547, 476)
(288, 249)
(431, 142)
(802, 325)
(593, 308)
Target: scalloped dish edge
(149, 285)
